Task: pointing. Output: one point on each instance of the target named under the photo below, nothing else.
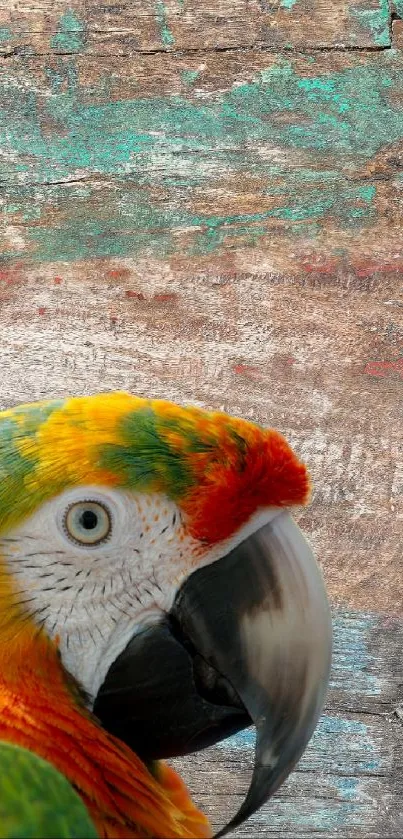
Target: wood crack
(25, 52)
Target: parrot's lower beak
(248, 640)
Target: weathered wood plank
(286, 163)
(349, 782)
(129, 26)
(344, 786)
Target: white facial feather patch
(95, 597)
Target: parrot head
(152, 546)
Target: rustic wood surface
(203, 201)
(128, 26)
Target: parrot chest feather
(42, 711)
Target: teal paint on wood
(189, 76)
(375, 20)
(5, 34)
(179, 143)
(352, 657)
(70, 36)
(122, 228)
(289, 24)
(161, 16)
(345, 742)
(343, 113)
(288, 4)
(367, 193)
(345, 753)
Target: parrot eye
(87, 523)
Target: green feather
(36, 801)
(146, 457)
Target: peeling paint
(70, 36)
(334, 735)
(178, 142)
(384, 369)
(353, 662)
(374, 20)
(190, 76)
(161, 16)
(5, 34)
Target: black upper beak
(248, 640)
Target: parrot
(156, 597)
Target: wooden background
(202, 200)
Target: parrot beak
(248, 640)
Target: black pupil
(88, 520)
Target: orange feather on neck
(41, 709)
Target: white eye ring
(87, 523)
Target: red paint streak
(41, 310)
(8, 277)
(362, 268)
(118, 273)
(366, 269)
(58, 280)
(314, 264)
(245, 370)
(382, 369)
(321, 267)
(290, 360)
(166, 297)
(137, 295)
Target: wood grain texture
(203, 202)
(276, 164)
(130, 26)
